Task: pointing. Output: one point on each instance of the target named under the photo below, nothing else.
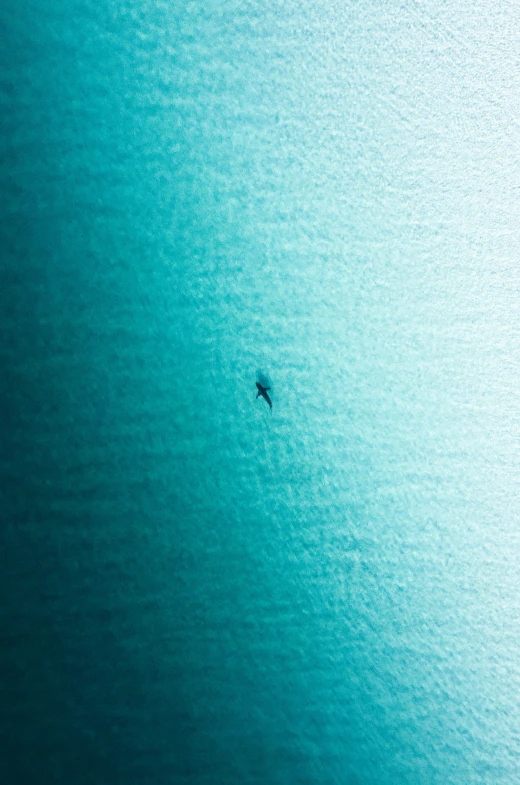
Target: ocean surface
(195, 590)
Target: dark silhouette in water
(263, 392)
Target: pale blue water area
(196, 590)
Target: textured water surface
(196, 590)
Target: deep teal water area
(195, 590)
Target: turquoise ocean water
(196, 590)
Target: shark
(263, 392)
